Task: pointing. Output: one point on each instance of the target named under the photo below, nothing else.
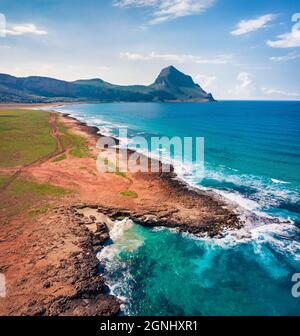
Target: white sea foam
(237, 198)
(97, 121)
(259, 225)
(279, 181)
(122, 240)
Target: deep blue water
(252, 158)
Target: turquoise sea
(252, 159)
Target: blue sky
(236, 49)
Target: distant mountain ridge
(170, 85)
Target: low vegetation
(76, 143)
(23, 194)
(3, 180)
(121, 174)
(129, 193)
(25, 137)
(60, 158)
(29, 188)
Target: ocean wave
(279, 181)
(123, 239)
(269, 207)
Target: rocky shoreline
(59, 274)
(82, 268)
(70, 285)
(92, 296)
(214, 226)
(94, 291)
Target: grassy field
(24, 194)
(76, 143)
(60, 158)
(25, 137)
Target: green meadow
(76, 143)
(25, 137)
(24, 194)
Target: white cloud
(206, 82)
(247, 26)
(21, 29)
(165, 10)
(211, 83)
(276, 92)
(288, 40)
(245, 79)
(289, 57)
(245, 86)
(178, 58)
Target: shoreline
(175, 182)
(65, 279)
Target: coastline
(174, 183)
(162, 200)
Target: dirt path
(55, 134)
(46, 252)
(58, 151)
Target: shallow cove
(162, 272)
